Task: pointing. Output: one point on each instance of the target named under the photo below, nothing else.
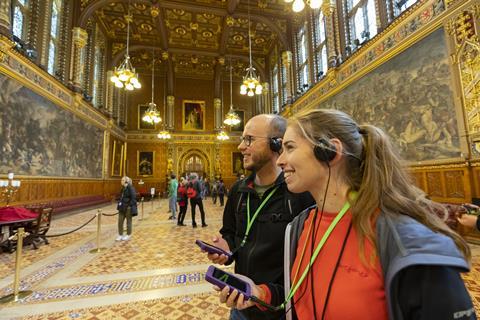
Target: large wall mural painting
(39, 138)
(410, 97)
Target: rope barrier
(72, 231)
(109, 215)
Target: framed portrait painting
(142, 125)
(117, 158)
(145, 163)
(237, 163)
(193, 115)
(241, 125)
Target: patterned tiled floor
(158, 274)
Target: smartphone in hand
(222, 279)
(211, 248)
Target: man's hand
(222, 244)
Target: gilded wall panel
(455, 184)
(39, 138)
(410, 97)
(434, 184)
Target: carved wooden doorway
(194, 164)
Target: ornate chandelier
(164, 135)
(222, 135)
(299, 5)
(251, 82)
(231, 119)
(124, 75)
(152, 115)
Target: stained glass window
(54, 34)
(275, 94)
(361, 20)
(20, 15)
(321, 59)
(302, 57)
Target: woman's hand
(237, 300)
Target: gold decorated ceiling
(196, 34)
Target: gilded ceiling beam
(95, 5)
(116, 58)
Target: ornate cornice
(177, 138)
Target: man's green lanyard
(250, 222)
(319, 247)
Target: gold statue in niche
(169, 165)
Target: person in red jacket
(182, 200)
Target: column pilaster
(169, 121)
(328, 9)
(80, 38)
(287, 63)
(217, 106)
(5, 18)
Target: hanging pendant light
(232, 118)
(164, 134)
(251, 82)
(222, 134)
(124, 75)
(152, 115)
(299, 5)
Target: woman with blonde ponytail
(372, 247)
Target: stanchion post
(17, 294)
(152, 203)
(99, 231)
(142, 206)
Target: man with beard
(258, 210)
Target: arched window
(20, 17)
(321, 59)
(284, 84)
(54, 35)
(97, 77)
(275, 93)
(362, 22)
(302, 57)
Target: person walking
(194, 193)
(214, 191)
(182, 201)
(127, 208)
(221, 191)
(172, 196)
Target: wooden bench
(65, 205)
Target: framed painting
(241, 125)
(193, 115)
(145, 163)
(142, 125)
(237, 163)
(117, 158)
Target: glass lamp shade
(222, 136)
(164, 135)
(152, 115)
(231, 119)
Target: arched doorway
(194, 161)
(194, 164)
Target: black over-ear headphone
(275, 144)
(324, 151)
